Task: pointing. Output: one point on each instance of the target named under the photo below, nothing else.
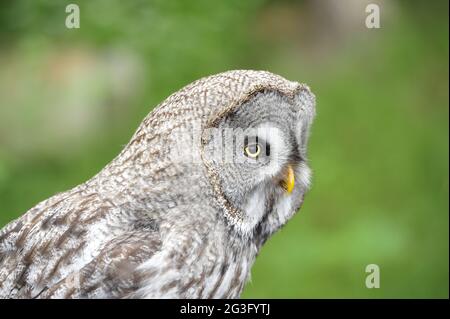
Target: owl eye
(252, 150)
(252, 147)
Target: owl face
(256, 156)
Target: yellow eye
(252, 150)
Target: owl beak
(288, 181)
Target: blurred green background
(71, 98)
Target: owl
(182, 212)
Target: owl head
(248, 133)
(255, 155)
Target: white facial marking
(254, 207)
(279, 151)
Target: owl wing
(113, 273)
(65, 250)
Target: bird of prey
(182, 212)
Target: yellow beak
(288, 181)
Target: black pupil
(253, 148)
